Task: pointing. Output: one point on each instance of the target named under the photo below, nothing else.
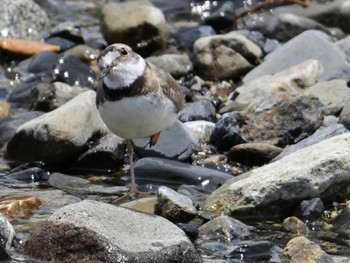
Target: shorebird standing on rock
(135, 99)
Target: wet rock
(93, 231)
(275, 189)
(310, 210)
(174, 206)
(24, 47)
(224, 229)
(204, 129)
(177, 142)
(66, 34)
(294, 225)
(29, 175)
(177, 65)
(21, 19)
(19, 206)
(43, 61)
(318, 136)
(4, 110)
(58, 136)
(284, 27)
(49, 96)
(9, 126)
(341, 224)
(107, 153)
(145, 204)
(333, 95)
(223, 57)
(198, 110)
(344, 116)
(223, 20)
(300, 249)
(84, 52)
(226, 133)
(153, 170)
(137, 23)
(7, 233)
(63, 43)
(4, 256)
(308, 45)
(253, 153)
(73, 71)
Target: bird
(135, 99)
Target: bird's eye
(123, 51)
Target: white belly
(138, 117)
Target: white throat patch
(123, 74)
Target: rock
(344, 45)
(175, 173)
(95, 232)
(4, 256)
(224, 57)
(204, 129)
(137, 24)
(106, 154)
(178, 65)
(49, 96)
(253, 153)
(223, 19)
(310, 210)
(7, 233)
(226, 133)
(328, 13)
(224, 229)
(318, 136)
(292, 81)
(25, 47)
(198, 110)
(4, 110)
(58, 136)
(9, 126)
(43, 61)
(294, 225)
(341, 224)
(22, 19)
(284, 27)
(307, 45)
(72, 71)
(174, 206)
(319, 170)
(19, 206)
(300, 249)
(333, 95)
(344, 116)
(177, 142)
(84, 52)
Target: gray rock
(310, 210)
(153, 170)
(341, 224)
(284, 27)
(333, 94)
(106, 154)
(318, 136)
(177, 142)
(178, 65)
(223, 228)
(223, 57)
(344, 45)
(253, 153)
(174, 206)
(7, 233)
(21, 19)
(9, 126)
(344, 116)
(60, 135)
(198, 110)
(135, 23)
(49, 96)
(308, 45)
(274, 189)
(95, 232)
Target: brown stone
(19, 206)
(4, 110)
(25, 47)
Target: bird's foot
(131, 195)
